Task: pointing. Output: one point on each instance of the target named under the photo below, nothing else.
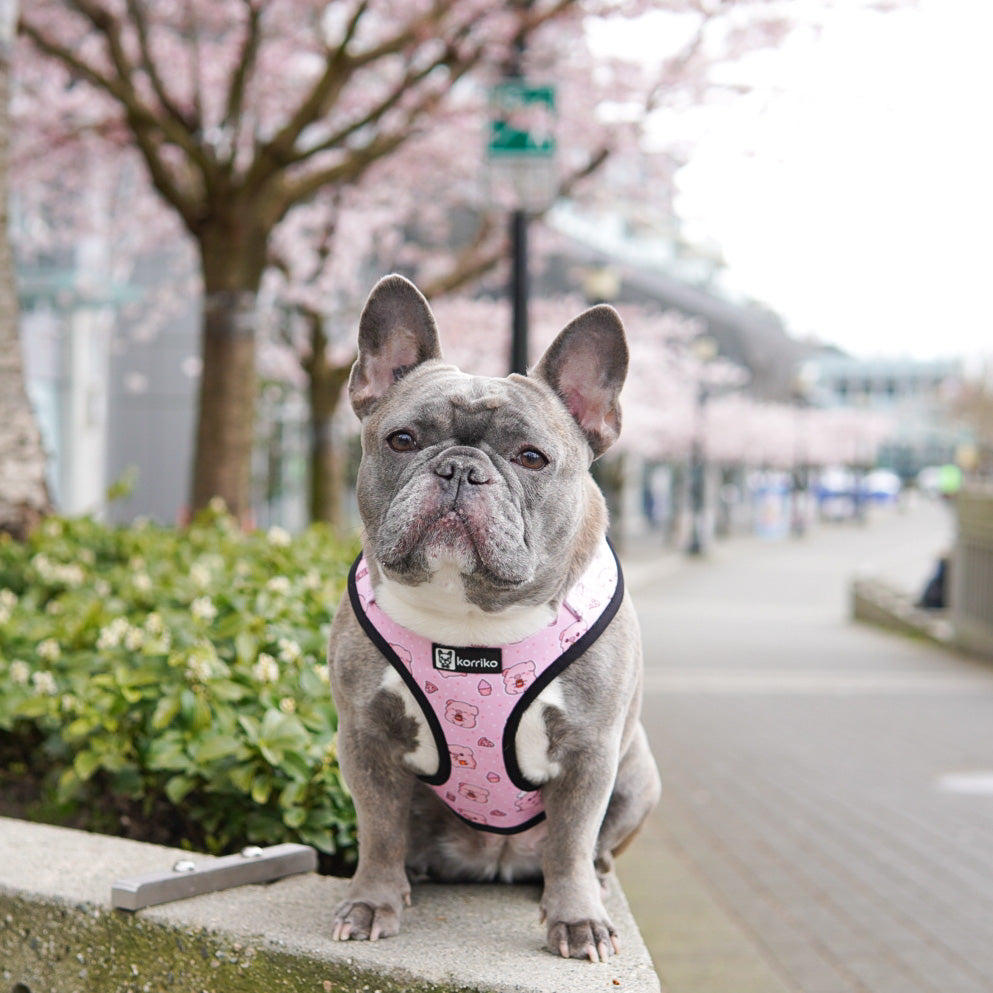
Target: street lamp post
(704, 349)
(800, 484)
(799, 481)
(520, 154)
(698, 472)
(519, 291)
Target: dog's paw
(358, 921)
(593, 940)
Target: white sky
(852, 190)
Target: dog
(485, 660)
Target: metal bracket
(187, 878)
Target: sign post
(521, 146)
(520, 154)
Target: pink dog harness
(473, 697)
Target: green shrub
(176, 676)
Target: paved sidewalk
(826, 824)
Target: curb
(59, 933)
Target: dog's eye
(402, 441)
(531, 458)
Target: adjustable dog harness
(473, 697)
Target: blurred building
(653, 266)
(112, 372)
(916, 393)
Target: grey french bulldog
(485, 660)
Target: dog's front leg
(380, 887)
(571, 904)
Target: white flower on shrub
(289, 650)
(134, 638)
(55, 573)
(266, 669)
(20, 672)
(8, 601)
(154, 624)
(323, 673)
(113, 634)
(143, 582)
(50, 650)
(199, 664)
(200, 574)
(279, 537)
(288, 705)
(44, 683)
(203, 609)
(279, 585)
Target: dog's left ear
(396, 333)
(586, 366)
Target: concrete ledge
(875, 601)
(59, 934)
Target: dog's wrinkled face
(485, 480)
(472, 472)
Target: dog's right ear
(397, 332)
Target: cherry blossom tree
(244, 111)
(241, 110)
(24, 496)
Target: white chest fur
(439, 610)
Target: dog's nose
(463, 468)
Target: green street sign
(522, 121)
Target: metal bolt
(251, 852)
(184, 865)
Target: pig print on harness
(473, 697)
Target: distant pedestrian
(935, 595)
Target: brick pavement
(805, 842)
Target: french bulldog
(483, 527)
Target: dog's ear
(397, 332)
(586, 366)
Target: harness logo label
(448, 659)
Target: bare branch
(141, 121)
(277, 152)
(486, 250)
(245, 66)
(137, 12)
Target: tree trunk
(24, 497)
(222, 461)
(326, 383)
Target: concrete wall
(60, 934)
(971, 599)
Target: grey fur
(521, 538)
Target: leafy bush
(175, 677)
